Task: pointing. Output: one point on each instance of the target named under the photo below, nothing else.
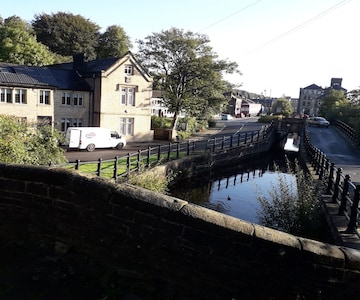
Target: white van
(90, 138)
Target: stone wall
(162, 246)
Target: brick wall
(180, 248)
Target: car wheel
(90, 147)
(120, 146)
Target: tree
(113, 43)
(22, 144)
(18, 44)
(354, 97)
(333, 104)
(186, 69)
(282, 107)
(67, 34)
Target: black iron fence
(346, 129)
(123, 167)
(337, 184)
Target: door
(74, 141)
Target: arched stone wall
(151, 240)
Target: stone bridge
(64, 235)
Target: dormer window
(128, 70)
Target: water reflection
(234, 194)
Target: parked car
(318, 121)
(226, 117)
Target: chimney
(78, 61)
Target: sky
(280, 46)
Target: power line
(309, 21)
(229, 16)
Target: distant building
(311, 97)
(158, 107)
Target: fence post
(116, 167)
(169, 152)
(214, 145)
(188, 148)
(352, 225)
(322, 166)
(177, 150)
(98, 171)
(344, 195)
(77, 165)
(238, 139)
(128, 165)
(245, 138)
(330, 179)
(222, 142)
(138, 159)
(231, 141)
(252, 136)
(336, 185)
(148, 157)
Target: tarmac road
(337, 148)
(221, 128)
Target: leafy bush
(293, 209)
(22, 144)
(160, 122)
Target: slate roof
(313, 87)
(89, 67)
(42, 77)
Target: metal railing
(123, 167)
(337, 184)
(346, 129)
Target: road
(337, 149)
(222, 128)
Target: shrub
(151, 182)
(22, 144)
(160, 122)
(293, 209)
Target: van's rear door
(74, 141)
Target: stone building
(113, 93)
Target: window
(65, 124)
(44, 120)
(126, 126)
(20, 96)
(70, 122)
(45, 97)
(128, 96)
(78, 99)
(65, 99)
(128, 70)
(5, 95)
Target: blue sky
(279, 45)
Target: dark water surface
(234, 191)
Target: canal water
(235, 190)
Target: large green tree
(67, 34)
(333, 104)
(22, 144)
(113, 42)
(18, 44)
(187, 70)
(282, 107)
